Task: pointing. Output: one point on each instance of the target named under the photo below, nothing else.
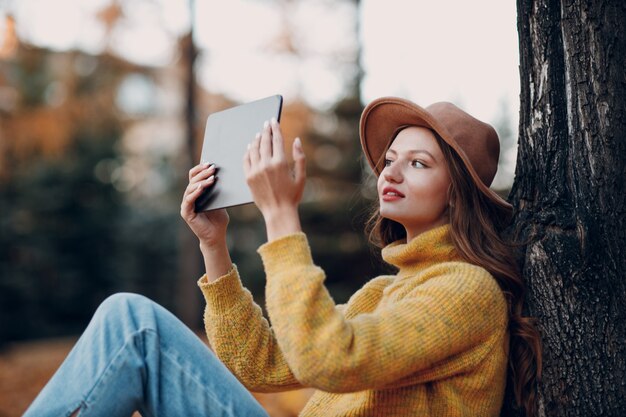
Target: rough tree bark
(570, 196)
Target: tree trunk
(570, 197)
(188, 298)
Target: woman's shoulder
(464, 289)
(459, 268)
(370, 294)
(465, 279)
(374, 286)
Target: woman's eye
(415, 164)
(387, 162)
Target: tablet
(226, 140)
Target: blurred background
(103, 105)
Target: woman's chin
(390, 216)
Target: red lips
(390, 193)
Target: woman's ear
(450, 196)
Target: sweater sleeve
(242, 338)
(449, 314)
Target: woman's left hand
(276, 190)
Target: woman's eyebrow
(414, 151)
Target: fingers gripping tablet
(226, 138)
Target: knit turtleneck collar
(426, 249)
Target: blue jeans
(137, 356)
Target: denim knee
(121, 304)
(113, 302)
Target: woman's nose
(392, 174)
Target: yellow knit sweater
(430, 341)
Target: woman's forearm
(281, 222)
(217, 260)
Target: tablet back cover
(226, 140)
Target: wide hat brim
(474, 141)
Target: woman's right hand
(209, 226)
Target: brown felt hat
(474, 141)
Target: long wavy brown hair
(476, 227)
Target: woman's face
(413, 186)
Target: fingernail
(248, 146)
(266, 124)
(258, 136)
(206, 164)
(298, 143)
(210, 178)
(212, 166)
(274, 121)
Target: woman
(436, 339)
